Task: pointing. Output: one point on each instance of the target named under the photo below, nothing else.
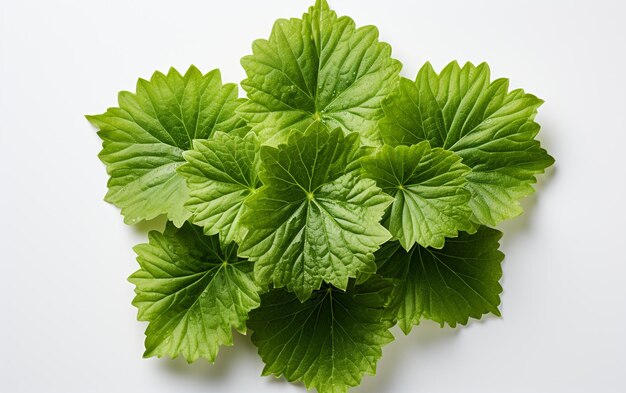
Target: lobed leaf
(192, 291)
(450, 285)
(328, 342)
(431, 202)
(312, 222)
(221, 174)
(320, 68)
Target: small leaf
(429, 189)
(449, 285)
(193, 293)
(318, 68)
(221, 174)
(312, 222)
(145, 137)
(493, 130)
(328, 342)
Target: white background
(66, 323)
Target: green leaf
(193, 293)
(221, 174)
(144, 139)
(318, 68)
(449, 285)
(311, 221)
(429, 189)
(492, 129)
(328, 342)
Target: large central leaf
(329, 341)
(492, 129)
(312, 221)
(145, 137)
(192, 291)
(318, 68)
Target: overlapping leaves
(145, 137)
(491, 129)
(336, 201)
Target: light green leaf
(429, 189)
(493, 130)
(318, 68)
(192, 291)
(311, 221)
(221, 174)
(328, 342)
(450, 285)
(144, 139)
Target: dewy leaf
(311, 221)
(429, 189)
(493, 130)
(327, 342)
(318, 68)
(221, 173)
(450, 285)
(192, 291)
(144, 138)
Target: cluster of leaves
(337, 200)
